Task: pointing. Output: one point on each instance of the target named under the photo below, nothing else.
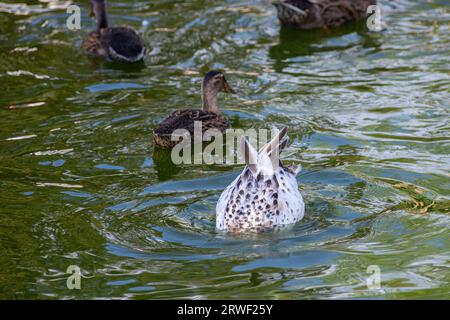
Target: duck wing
(338, 12)
(309, 14)
(124, 44)
(184, 119)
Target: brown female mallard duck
(310, 14)
(210, 115)
(116, 43)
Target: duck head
(213, 83)
(98, 10)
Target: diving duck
(210, 115)
(310, 14)
(121, 44)
(265, 195)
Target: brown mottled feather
(117, 43)
(92, 45)
(321, 13)
(184, 119)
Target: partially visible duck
(210, 115)
(265, 195)
(116, 43)
(310, 14)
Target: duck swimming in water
(210, 115)
(265, 195)
(121, 44)
(310, 14)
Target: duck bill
(227, 88)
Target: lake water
(81, 184)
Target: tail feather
(271, 145)
(250, 155)
(267, 160)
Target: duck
(210, 114)
(121, 44)
(311, 14)
(265, 196)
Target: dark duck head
(98, 10)
(213, 83)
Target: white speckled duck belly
(263, 197)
